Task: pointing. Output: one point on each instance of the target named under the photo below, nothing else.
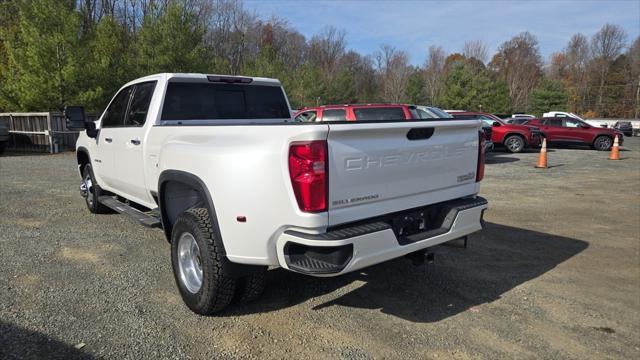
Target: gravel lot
(556, 274)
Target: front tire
(91, 192)
(514, 143)
(602, 143)
(200, 267)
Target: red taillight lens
(480, 169)
(308, 172)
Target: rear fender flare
(193, 182)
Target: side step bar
(144, 219)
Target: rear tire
(602, 143)
(200, 267)
(250, 287)
(93, 192)
(514, 143)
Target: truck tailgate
(383, 167)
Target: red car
(567, 130)
(513, 137)
(371, 112)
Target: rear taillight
(308, 173)
(480, 169)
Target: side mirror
(585, 126)
(495, 123)
(76, 119)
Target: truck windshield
(205, 101)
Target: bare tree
(606, 45)
(230, 32)
(393, 67)
(518, 62)
(326, 49)
(434, 73)
(476, 49)
(558, 66)
(577, 55)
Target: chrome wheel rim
(86, 189)
(603, 143)
(513, 144)
(189, 263)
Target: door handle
(108, 140)
(135, 141)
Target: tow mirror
(76, 119)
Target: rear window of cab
(205, 101)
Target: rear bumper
(349, 248)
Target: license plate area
(429, 221)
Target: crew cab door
(129, 145)
(103, 155)
(576, 132)
(553, 130)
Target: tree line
(57, 52)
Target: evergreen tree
(340, 89)
(109, 64)
(550, 95)
(170, 40)
(46, 57)
(415, 88)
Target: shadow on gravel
(499, 159)
(10, 153)
(497, 260)
(19, 343)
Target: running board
(139, 216)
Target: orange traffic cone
(615, 151)
(542, 159)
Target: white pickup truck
(238, 185)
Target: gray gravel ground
(556, 274)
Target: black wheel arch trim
(197, 184)
(192, 181)
(85, 151)
(610, 136)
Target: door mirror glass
(75, 117)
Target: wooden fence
(39, 132)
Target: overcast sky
(415, 25)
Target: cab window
(114, 116)
(553, 122)
(379, 114)
(334, 115)
(572, 123)
(307, 116)
(137, 114)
